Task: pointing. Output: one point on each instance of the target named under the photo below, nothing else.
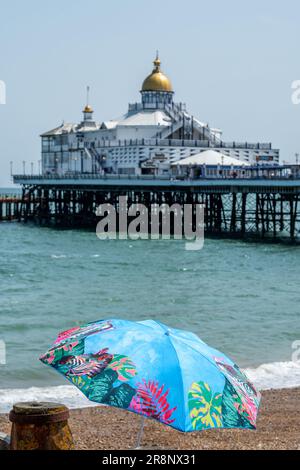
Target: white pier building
(154, 134)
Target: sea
(240, 297)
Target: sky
(232, 63)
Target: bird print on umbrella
(86, 364)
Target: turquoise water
(242, 298)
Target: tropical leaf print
(205, 406)
(249, 397)
(97, 375)
(101, 386)
(234, 411)
(151, 400)
(120, 396)
(83, 383)
(123, 366)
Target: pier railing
(251, 175)
(169, 143)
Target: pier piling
(262, 209)
(10, 207)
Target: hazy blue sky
(232, 62)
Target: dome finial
(88, 108)
(87, 95)
(156, 63)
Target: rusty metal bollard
(40, 426)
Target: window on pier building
(126, 171)
(45, 143)
(64, 139)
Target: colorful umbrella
(156, 371)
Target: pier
(262, 208)
(10, 207)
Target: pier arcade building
(148, 139)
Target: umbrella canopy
(156, 371)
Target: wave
(275, 375)
(66, 394)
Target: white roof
(109, 124)
(146, 118)
(63, 128)
(211, 158)
(141, 118)
(88, 126)
(202, 124)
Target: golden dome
(88, 109)
(157, 81)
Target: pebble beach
(104, 428)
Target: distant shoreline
(103, 428)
